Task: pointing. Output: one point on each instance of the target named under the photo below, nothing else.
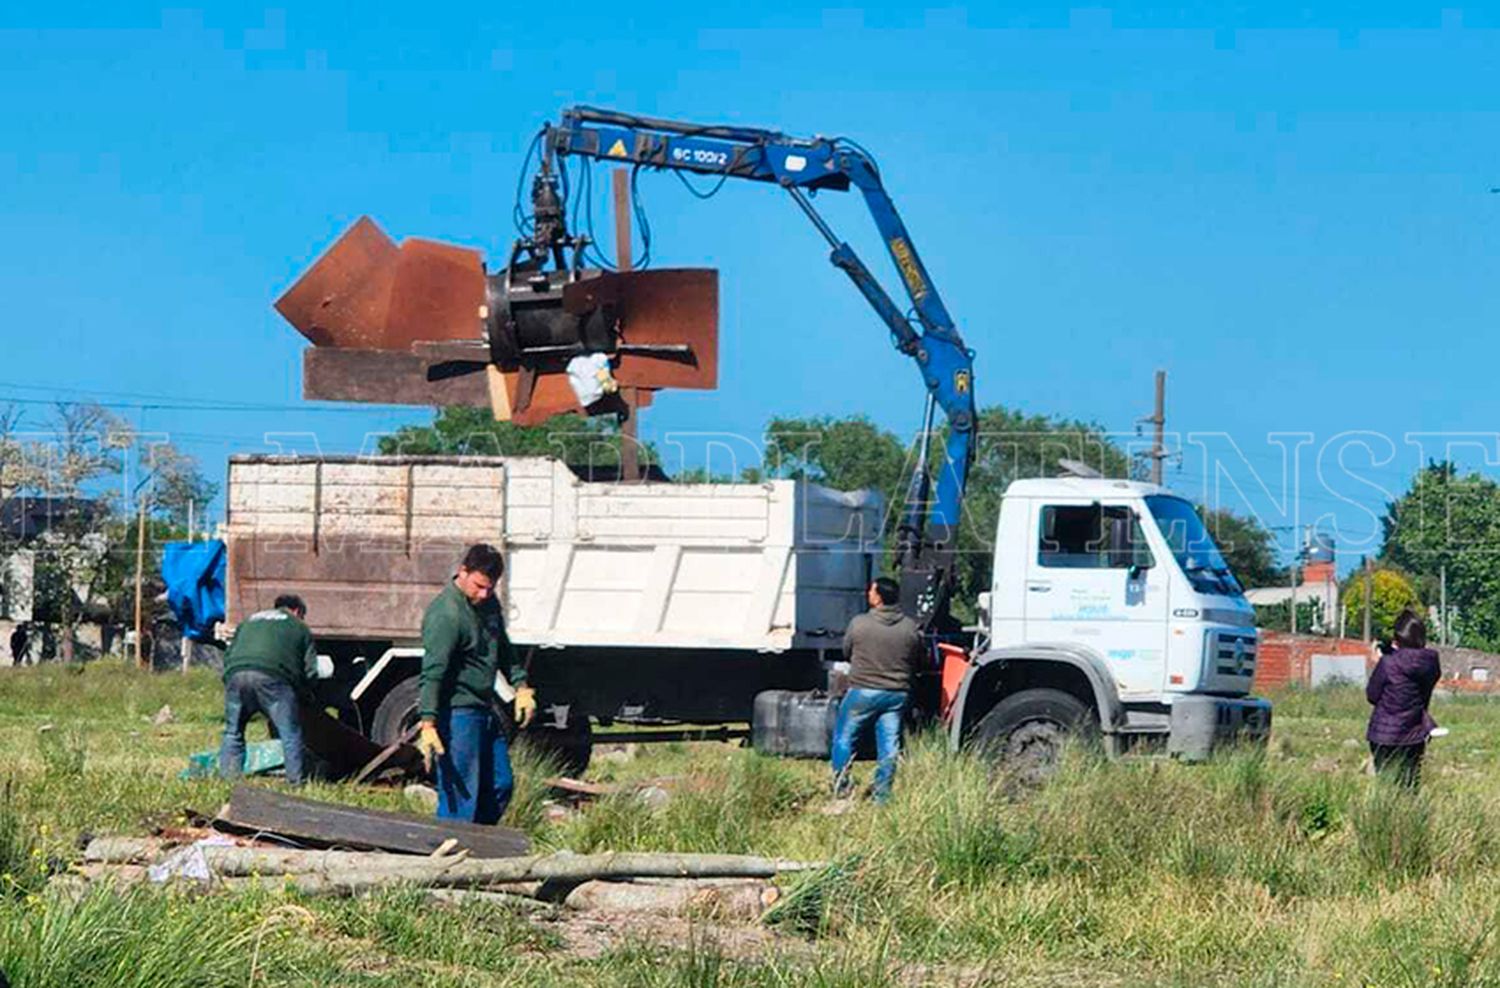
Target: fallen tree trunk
(740, 900)
(355, 869)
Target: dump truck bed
(367, 542)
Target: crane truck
(1111, 610)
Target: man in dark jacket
(463, 646)
(884, 648)
(268, 666)
(1399, 689)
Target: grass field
(1289, 869)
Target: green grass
(1288, 867)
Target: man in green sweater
(463, 647)
(269, 666)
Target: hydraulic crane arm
(802, 167)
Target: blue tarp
(194, 575)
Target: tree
(1247, 546)
(464, 431)
(84, 446)
(1392, 593)
(177, 488)
(1450, 521)
(852, 453)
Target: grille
(1232, 654)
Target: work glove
(429, 744)
(525, 706)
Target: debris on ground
(163, 716)
(261, 758)
(312, 823)
(720, 886)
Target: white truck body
(1163, 626)
(368, 541)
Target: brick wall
(1286, 658)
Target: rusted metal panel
(438, 291)
(385, 377)
(678, 305)
(342, 300)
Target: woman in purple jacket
(1400, 689)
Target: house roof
(25, 516)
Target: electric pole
(1158, 421)
(1369, 595)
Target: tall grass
(1287, 867)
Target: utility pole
(1369, 595)
(1443, 605)
(1292, 601)
(140, 561)
(630, 467)
(1158, 421)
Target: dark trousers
(1402, 763)
(474, 779)
(246, 694)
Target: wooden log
(253, 809)
(740, 900)
(370, 869)
(124, 850)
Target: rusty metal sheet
(672, 305)
(342, 300)
(436, 296)
(385, 377)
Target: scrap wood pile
(263, 838)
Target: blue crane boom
(929, 526)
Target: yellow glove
(525, 706)
(429, 744)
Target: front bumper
(1202, 723)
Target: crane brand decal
(907, 262)
(617, 149)
(961, 382)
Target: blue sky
(1286, 209)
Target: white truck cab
(1111, 608)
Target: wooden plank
(252, 809)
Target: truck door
(1091, 580)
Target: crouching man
(268, 669)
(463, 646)
(884, 648)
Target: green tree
(463, 431)
(853, 452)
(1392, 593)
(1452, 521)
(1247, 546)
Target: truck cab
(1111, 611)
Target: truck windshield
(1192, 546)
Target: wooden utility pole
(1159, 420)
(1443, 606)
(1369, 596)
(140, 562)
(630, 467)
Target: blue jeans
(858, 709)
(246, 694)
(474, 779)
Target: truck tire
(570, 748)
(397, 712)
(1025, 733)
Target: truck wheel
(569, 747)
(1026, 732)
(397, 712)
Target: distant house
(25, 522)
(1319, 583)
